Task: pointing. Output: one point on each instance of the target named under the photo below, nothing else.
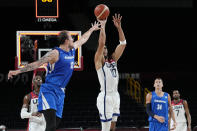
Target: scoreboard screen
(47, 9)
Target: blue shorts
(51, 99)
(157, 126)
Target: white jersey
(35, 124)
(108, 76)
(179, 111)
(33, 107)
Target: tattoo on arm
(46, 58)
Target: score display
(47, 8)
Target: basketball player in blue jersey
(60, 67)
(158, 105)
(108, 100)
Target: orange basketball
(101, 12)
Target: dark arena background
(161, 41)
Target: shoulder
(149, 94)
(167, 94)
(184, 101)
(27, 97)
(148, 97)
(55, 51)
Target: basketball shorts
(34, 126)
(50, 99)
(108, 105)
(157, 126)
(181, 126)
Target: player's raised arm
(187, 114)
(51, 56)
(171, 112)
(101, 44)
(120, 48)
(86, 35)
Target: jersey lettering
(35, 101)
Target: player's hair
(62, 36)
(159, 78)
(175, 90)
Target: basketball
(101, 12)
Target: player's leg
(58, 120)
(50, 118)
(105, 110)
(60, 107)
(113, 125)
(47, 106)
(116, 110)
(106, 126)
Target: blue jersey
(52, 93)
(159, 106)
(59, 73)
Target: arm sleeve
(24, 113)
(148, 110)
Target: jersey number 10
(113, 72)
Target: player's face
(176, 95)
(105, 51)
(158, 84)
(38, 80)
(70, 41)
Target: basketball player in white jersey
(30, 102)
(108, 100)
(180, 108)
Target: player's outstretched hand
(13, 73)
(117, 20)
(95, 26)
(160, 118)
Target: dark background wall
(160, 35)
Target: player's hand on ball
(95, 26)
(13, 73)
(102, 22)
(117, 20)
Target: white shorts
(108, 106)
(33, 126)
(181, 126)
